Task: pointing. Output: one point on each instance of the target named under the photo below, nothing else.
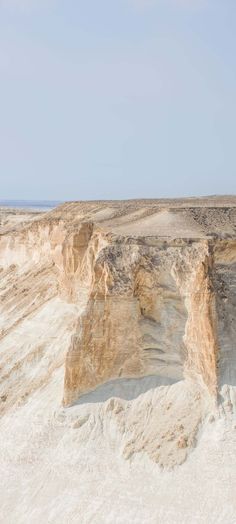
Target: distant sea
(40, 205)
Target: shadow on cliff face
(124, 388)
(225, 286)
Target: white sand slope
(68, 465)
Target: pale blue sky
(117, 98)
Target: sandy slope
(67, 466)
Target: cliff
(120, 313)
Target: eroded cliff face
(154, 305)
(150, 311)
(126, 297)
(117, 359)
(224, 283)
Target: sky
(111, 99)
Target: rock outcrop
(117, 359)
(144, 293)
(155, 304)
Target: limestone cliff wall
(151, 311)
(155, 288)
(224, 284)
